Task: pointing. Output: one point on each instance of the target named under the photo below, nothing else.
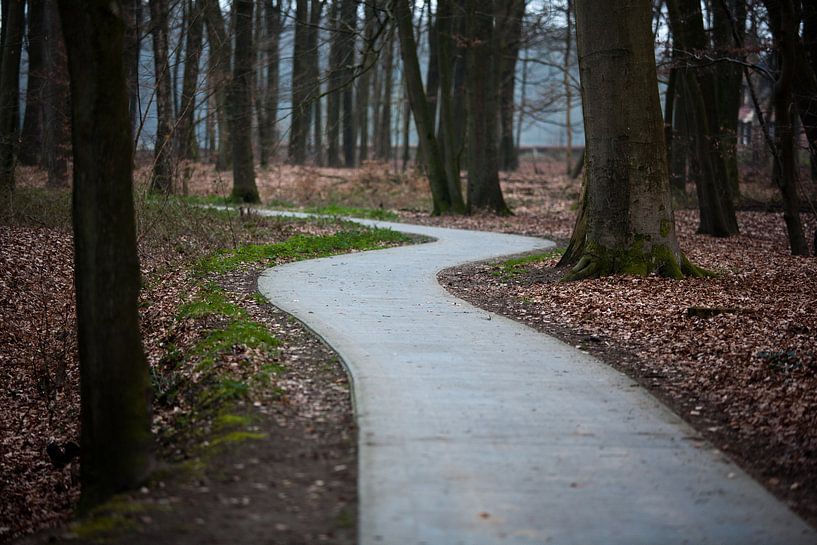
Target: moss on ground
(512, 268)
(296, 248)
(351, 212)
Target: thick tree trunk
(267, 103)
(133, 46)
(315, 14)
(334, 92)
(299, 120)
(509, 26)
(419, 106)
(219, 55)
(162, 178)
(57, 102)
(13, 24)
(364, 82)
(188, 147)
(115, 393)
(716, 207)
(348, 14)
(729, 18)
(460, 113)
(628, 214)
(31, 136)
(785, 37)
(484, 192)
(383, 128)
(244, 188)
(447, 139)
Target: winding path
(474, 429)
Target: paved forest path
(478, 430)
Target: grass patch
(237, 437)
(224, 391)
(210, 301)
(238, 332)
(298, 247)
(346, 211)
(513, 268)
(227, 421)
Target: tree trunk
(484, 192)
(509, 27)
(364, 82)
(348, 14)
(31, 136)
(729, 18)
(629, 223)
(161, 180)
(219, 55)
(115, 392)
(785, 37)
(460, 113)
(57, 102)
(188, 147)
(267, 103)
(13, 25)
(383, 138)
(244, 188)
(447, 139)
(716, 207)
(299, 119)
(133, 48)
(334, 92)
(419, 106)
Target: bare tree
(244, 188)
(116, 442)
(161, 179)
(626, 224)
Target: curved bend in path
(474, 429)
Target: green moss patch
(298, 247)
(238, 332)
(346, 211)
(210, 301)
(512, 268)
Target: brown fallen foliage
(39, 376)
(735, 355)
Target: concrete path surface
(474, 429)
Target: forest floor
(742, 369)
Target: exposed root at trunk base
(595, 262)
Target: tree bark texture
(729, 18)
(333, 106)
(509, 19)
(267, 102)
(31, 135)
(628, 214)
(162, 178)
(13, 25)
(383, 148)
(57, 100)
(785, 37)
(484, 192)
(448, 147)
(716, 208)
(299, 120)
(133, 45)
(315, 14)
(364, 82)
(348, 14)
(219, 53)
(187, 144)
(244, 188)
(441, 199)
(116, 441)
